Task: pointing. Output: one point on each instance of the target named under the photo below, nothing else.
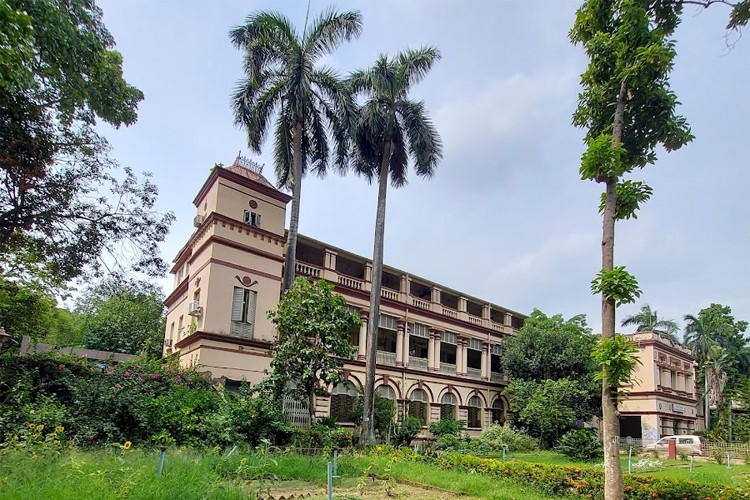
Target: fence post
(505, 447)
(335, 461)
(330, 481)
(729, 460)
(691, 463)
(630, 461)
(161, 461)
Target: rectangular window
(388, 322)
(419, 330)
(243, 312)
(171, 333)
(449, 338)
(179, 327)
(252, 218)
(674, 380)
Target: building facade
(438, 353)
(663, 399)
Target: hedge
(585, 482)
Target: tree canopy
(63, 201)
(648, 319)
(313, 325)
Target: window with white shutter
(252, 218)
(243, 312)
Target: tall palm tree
(700, 334)
(717, 361)
(391, 131)
(648, 320)
(282, 77)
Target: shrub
(320, 435)
(384, 414)
(585, 482)
(405, 432)
(448, 442)
(498, 436)
(582, 444)
(447, 426)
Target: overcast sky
(506, 217)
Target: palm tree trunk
(613, 483)
(291, 247)
(368, 418)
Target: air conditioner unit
(168, 342)
(198, 220)
(195, 309)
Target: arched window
(343, 399)
(387, 392)
(497, 412)
(448, 405)
(475, 412)
(418, 405)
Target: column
(362, 348)
(405, 347)
(680, 381)
(486, 311)
(431, 351)
(400, 343)
(485, 360)
(461, 356)
(666, 378)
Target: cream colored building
(438, 349)
(663, 400)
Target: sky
(506, 217)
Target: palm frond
(425, 145)
(269, 26)
(415, 64)
(253, 103)
(282, 151)
(329, 30)
(398, 167)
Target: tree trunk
(368, 418)
(613, 484)
(291, 246)
(311, 404)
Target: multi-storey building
(438, 350)
(662, 400)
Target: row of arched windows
(344, 397)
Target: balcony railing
(496, 326)
(386, 358)
(415, 362)
(447, 367)
(307, 270)
(451, 313)
(388, 294)
(475, 320)
(350, 282)
(474, 372)
(499, 378)
(420, 304)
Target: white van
(686, 443)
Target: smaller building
(662, 400)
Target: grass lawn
(115, 473)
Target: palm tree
(717, 361)
(282, 78)
(390, 130)
(700, 334)
(649, 320)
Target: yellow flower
(243, 461)
(59, 428)
(40, 427)
(127, 445)
(32, 426)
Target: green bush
(384, 414)
(141, 402)
(447, 426)
(448, 442)
(405, 432)
(322, 435)
(581, 444)
(584, 482)
(498, 436)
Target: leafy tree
(551, 348)
(27, 310)
(717, 362)
(628, 110)
(447, 426)
(312, 324)
(648, 320)
(547, 408)
(390, 128)
(385, 413)
(122, 315)
(715, 325)
(405, 432)
(62, 203)
(283, 75)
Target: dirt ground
(352, 489)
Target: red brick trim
(242, 181)
(177, 292)
(239, 246)
(661, 414)
(238, 268)
(201, 335)
(662, 395)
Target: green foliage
(617, 356)
(313, 324)
(142, 402)
(630, 195)
(385, 413)
(616, 284)
(498, 436)
(602, 158)
(405, 431)
(447, 426)
(547, 408)
(581, 444)
(123, 316)
(582, 482)
(322, 436)
(648, 320)
(549, 347)
(63, 203)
